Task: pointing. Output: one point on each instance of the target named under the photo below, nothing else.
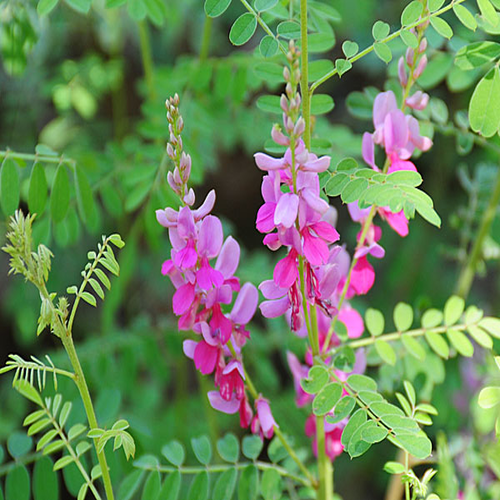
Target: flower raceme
(202, 269)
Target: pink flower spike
(218, 403)
(187, 257)
(245, 304)
(221, 323)
(185, 224)
(384, 103)
(206, 277)
(315, 249)
(266, 418)
(326, 231)
(286, 210)
(397, 221)
(266, 162)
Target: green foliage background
(89, 80)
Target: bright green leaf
(243, 29)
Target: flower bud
(177, 177)
(189, 198)
(279, 137)
(289, 90)
(170, 151)
(421, 66)
(284, 103)
(176, 99)
(418, 100)
(403, 78)
(410, 55)
(180, 124)
(171, 183)
(300, 127)
(286, 74)
(289, 125)
(423, 45)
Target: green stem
(387, 39)
(253, 392)
(205, 40)
(263, 24)
(468, 272)
(407, 485)
(304, 74)
(89, 410)
(36, 157)
(214, 469)
(147, 58)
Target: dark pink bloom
(286, 270)
(362, 277)
(353, 322)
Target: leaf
(413, 347)
(17, 484)
(104, 279)
(75, 431)
(82, 447)
(342, 410)
(63, 462)
(82, 492)
(59, 197)
(152, 486)
(46, 439)
(97, 288)
(373, 433)
(350, 49)
(380, 30)
(394, 468)
(243, 29)
(489, 397)
(374, 321)
(342, 66)
(28, 391)
(418, 445)
(171, 487)
(44, 7)
(432, 318)
(38, 426)
(269, 104)
(409, 39)
(224, 487)
(202, 449)
(321, 104)
(289, 30)
(130, 485)
(403, 317)
(268, 46)
(252, 446)
(229, 448)
(89, 298)
(438, 344)
(385, 351)
(442, 27)
(19, 444)
(460, 342)
(45, 482)
(410, 392)
(84, 198)
(263, 5)
(404, 403)
(411, 13)
(82, 6)
(405, 177)
(488, 11)
(248, 484)
(383, 52)
(199, 487)
(453, 310)
(316, 379)
(480, 336)
(37, 194)
(10, 187)
(215, 8)
(353, 190)
(327, 398)
(356, 420)
(491, 325)
(484, 106)
(33, 417)
(465, 17)
(361, 383)
(336, 184)
(53, 447)
(271, 485)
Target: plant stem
(304, 74)
(407, 485)
(214, 469)
(253, 392)
(36, 157)
(388, 38)
(147, 58)
(89, 410)
(468, 272)
(205, 40)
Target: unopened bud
(289, 90)
(176, 99)
(170, 151)
(300, 127)
(410, 55)
(189, 198)
(418, 100)
(172, 183)
(286, 74)
(180, 124)
(173, 139)
(421, 66)
(284, 103)
(177, 176)
(279, 137)
(403, 78)
(289, 125)
(423, 45)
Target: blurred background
(91, 86)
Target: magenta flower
(263, 422)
